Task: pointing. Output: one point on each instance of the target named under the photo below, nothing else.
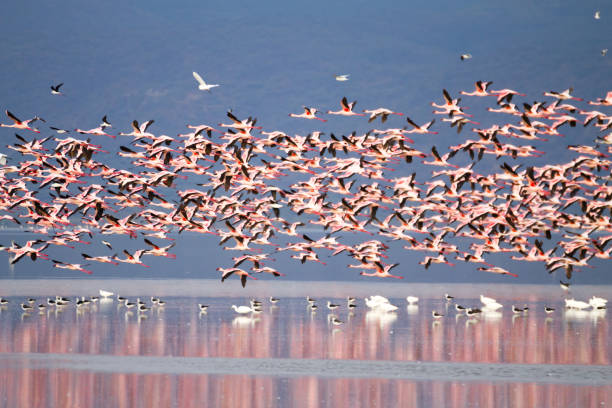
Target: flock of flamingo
(242, 183)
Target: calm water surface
(105, 355)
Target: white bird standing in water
(486, 300)
(105, 293)
(242, 309)
(576, 304)
(597, 302)
(202, 84)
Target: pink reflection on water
(53, 388)
(293, 332)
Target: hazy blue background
(133, 60)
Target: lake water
(103, 355)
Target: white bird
(202, 84)
(597, 15)
(374, 301)
(379, 299)
(597, 302)
(342, 77)
(105, 293)
(2, 159)
(486, 300)
(412, 300)
(465, 56)
(242, 309)
(380, 304)
(576, 304)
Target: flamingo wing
(344, 104)
(447, 97)
(434, 151)
(232, 117)
(145, 126)
(13, 117)
(412, 123)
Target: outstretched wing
(411, 122)
(13, 117)
(447, 97)
(198, 78)
(145, 126)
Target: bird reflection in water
(492, 337)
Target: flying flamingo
(347, 109)
(498, 270)
(382, 271)
(139, 130)
(20, 124)
(565, 95)
(420, 129)
(132, 259)
(159, 251)
(309, 113)
(505, 94)
(450, 107)
(99, 131)
(437, 259)
(440, 160)
(227, 272)
(607, 101)
(459, 122)
(73, 267)
(480, 89)
(383, 113)
(103, 259)
(244, 124)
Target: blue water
(104, 355)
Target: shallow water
(104, 355)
